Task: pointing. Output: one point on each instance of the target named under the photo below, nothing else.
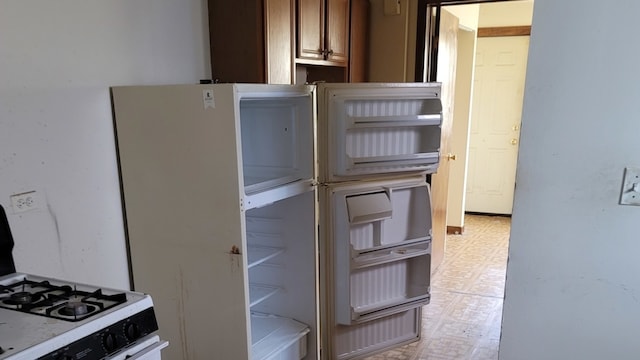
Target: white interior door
(500, 72)
(447, 59)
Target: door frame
(427, 36)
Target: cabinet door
(278, 28)
(311, 29)
(337, 32)
(358, 64)
(240, 57)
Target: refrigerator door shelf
(404, 217)
(364, 314)
(355, 122)
(378, 130)
(355, 253)
(389, 255)
(425, 161)
(380, 290)
(365, 338)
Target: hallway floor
(463, 319)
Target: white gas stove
(42, 318)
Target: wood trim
(504, 31)
(459, 2)
(455, 230)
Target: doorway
(498, 91)
(463, 319)
(488, 106)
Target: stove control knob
(132, 331)
(109, 342)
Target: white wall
(392, 42)
(573, 289)
(466, 14)
(57, 62)
(505, 13)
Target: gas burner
(23, 298)
(62, 302)
(76, 308)
(50, 319)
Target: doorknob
(451, 156)
(514, 141)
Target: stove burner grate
(59, 302)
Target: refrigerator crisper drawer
(277, 338)
(375, 129)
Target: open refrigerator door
(376, 144)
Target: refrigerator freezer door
(376, 268)
(178, 164)
(378, 129)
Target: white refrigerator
(280, 221)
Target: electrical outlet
(25, 201)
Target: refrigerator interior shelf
(274, 337)
(255, 183)
(260, 292)
(382, 309)
(393, 121)
(259, 254)
(390, 255)
(259, 197)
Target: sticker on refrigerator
(207, 98)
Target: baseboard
(455, 230)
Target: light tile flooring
(463, 319)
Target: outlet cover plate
(25, 201)
(630, 194)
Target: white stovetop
(26, 336)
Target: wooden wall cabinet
(288, 41)
(323, 32)
(252, 41)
